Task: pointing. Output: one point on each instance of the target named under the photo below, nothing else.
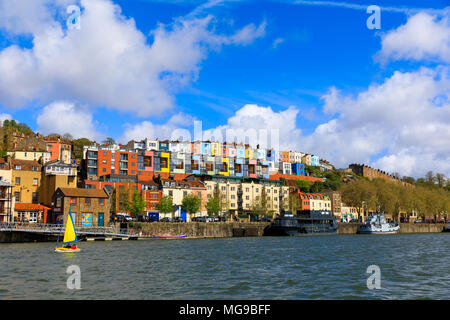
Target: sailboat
(70, 236)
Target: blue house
(298, 169)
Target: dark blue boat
(303, 223)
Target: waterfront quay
(191, 230)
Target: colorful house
(298, 169)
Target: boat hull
(298, 232)
(67, 250)
(169, 237)
(377, 232)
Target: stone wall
(18, 236)
(201, 229)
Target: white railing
(56, 228)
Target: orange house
(304, 198)
(285, 156)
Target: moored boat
(303, 223)
(376, 224)
(169, 237)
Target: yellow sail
(70, 234)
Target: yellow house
(31, 153)
(249, 153)
(26, 179)
(225, 164)
(216, 149)
(165, 162)
(56, 174)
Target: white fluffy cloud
(424, 36)
(178, 126)
(400, 121)
(65, 117)
(4, 116)
(255, 124)
(107, 62)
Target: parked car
(418, 221)
(166, 219)
(177, 219)
(199, 219)
(354, 220)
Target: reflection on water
(323, 267)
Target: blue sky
(294, 54)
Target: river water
(412, 266)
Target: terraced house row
(147, 157)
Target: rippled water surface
(319, 267)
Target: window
(101, 202)
(35, 181)
(17, 196)
(73, 201)
(170, 193)
(17, 167)
(87, 201)
(17, 180)
(34, 197)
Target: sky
(310, 75)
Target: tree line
(396, 199)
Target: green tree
(78, 145)
(303, 185)
(294, 203)
(191, 204)
(317, 186)
(213, 206)
(137, 204)
(109, 141)
(67, 136)
(165, 205)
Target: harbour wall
(201, 229)
(209, 230)
(19, 236)
(352, 228)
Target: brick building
(90, 207)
